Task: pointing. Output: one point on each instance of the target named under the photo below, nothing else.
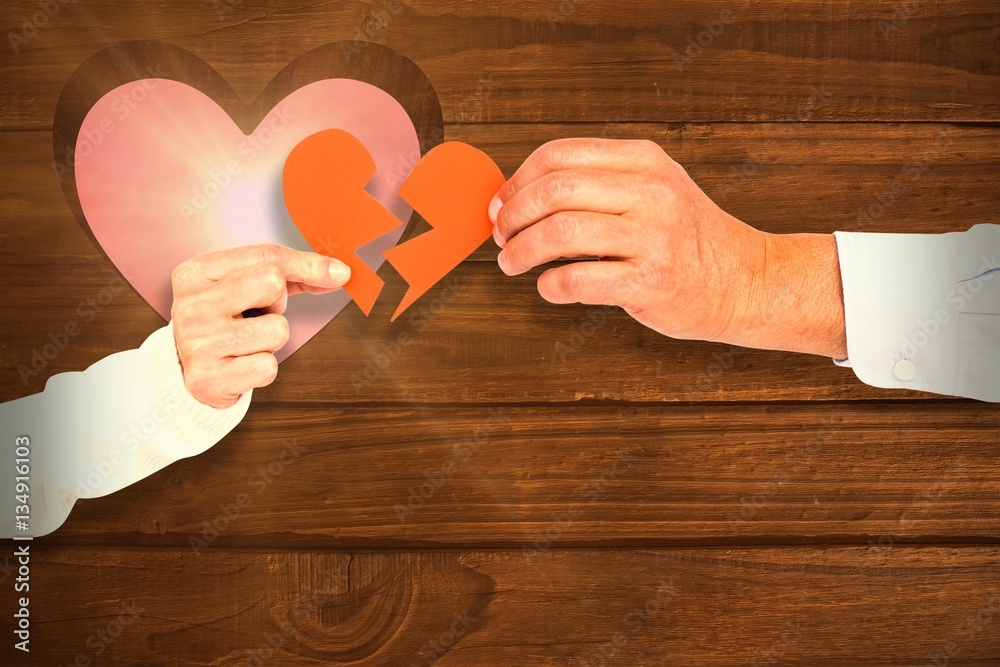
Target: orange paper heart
(324, 184)
(451, 187)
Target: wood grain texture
(475, 338)
(783, 178)
(537, 477)
(497, 481)
(733, 606)
(572, 60)
(478, 337)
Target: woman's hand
(222, 353)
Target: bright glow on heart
(164, 174)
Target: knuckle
(177, 275)
(200, 386)
(180, 277)
(674, 168)
(514, 254)
(313, 265)
(193, 350)
(561, 229)
(659, 188)
(246, 330)
(179, 313)
(509, 188)
(267, 370)
(505, 218)
(270, 253)
(280, 329)
(667, 190)
(558, 188)
(187, 314)
(271, 279)
(552, 155)
(649, 148)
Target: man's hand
(670, 257)
(222, 353)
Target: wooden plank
(807, 177)
(560, 61)
(764, 525)
(477, 337)
(681, 607)
(533, 478)
(495, 330)
(803, 177)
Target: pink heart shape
(163, 174)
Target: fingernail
(339, 271)
(502, 261)
(495, 209)
(499, 239)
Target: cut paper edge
(324, 181)
(451, 188)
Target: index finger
(306, 268)
(576, 153)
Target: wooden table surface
(527, 484)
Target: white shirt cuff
(923, 310)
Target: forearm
(794, 302)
